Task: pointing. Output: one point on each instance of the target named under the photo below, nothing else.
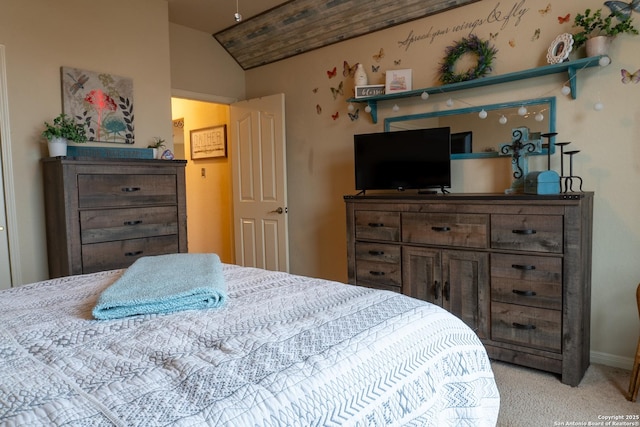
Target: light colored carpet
(529, 397)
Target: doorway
(10, 274)
(208, 181)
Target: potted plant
(156, 145)
(597, 30)
(63, 129)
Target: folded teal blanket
(164, 284)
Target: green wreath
(485, 53)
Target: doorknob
(278, 211)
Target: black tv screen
(411, 159)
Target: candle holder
(568, 180)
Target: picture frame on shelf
(398, 81)
(560, 48)
(210, 142)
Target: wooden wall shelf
(571, 67)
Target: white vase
(360, 76)
(598, 45)
(57, 147)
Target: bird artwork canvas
(102, 102)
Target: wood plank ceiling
(299, 26)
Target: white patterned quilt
(284, 351)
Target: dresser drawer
(377, 225)
(527, 326)
(122, 253)
(527, 280)
(120, 224)
(108, 190)
(378, 252)
(537, 233)
(376, 268)
(446, 229)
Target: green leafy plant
(157, 143)
(65, 127)
(595, 24)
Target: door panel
(258, 159)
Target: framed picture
(398, 81)
(560, 48)
(209, 142)
(101, 102)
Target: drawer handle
(377, 253)
(130, 189)
(135, 253)
(376, 224)
(441, 229)
(436, 289)
(447, 290)
(377, 273)
(525, 231)
(523, 267)
(136, 222)
(524, 293)
(525, 327)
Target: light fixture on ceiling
(237, 16)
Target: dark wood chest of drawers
(515, 268)
(105, 214)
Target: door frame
(7, 176)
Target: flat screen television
(411, 159)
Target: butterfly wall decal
(545, 10)
(375, 68)
(348, 70)
(512, 43)
(337, 90)
(397, 61)
(335, 116)
(318, 109)
(563, 19)
(315, 90)
(492, 36)
(332, 73)
(627, 77)
(536, 34)
(354, 116)
(378, 56)
(623, 8)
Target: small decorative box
(369, 90)
(543, 182)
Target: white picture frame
(398, 81)
(560, 48)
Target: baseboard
(611, 360)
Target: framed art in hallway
(209, 142)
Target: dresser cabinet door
(466, 288)
(422, 273)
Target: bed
(284, 350)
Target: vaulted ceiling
(272, 30)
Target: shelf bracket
(374, 110)
(573, 81)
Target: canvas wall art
(102, 101)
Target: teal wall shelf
(571, 67)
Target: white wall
(40, 36)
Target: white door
(259, 178)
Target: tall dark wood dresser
(104, 214)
